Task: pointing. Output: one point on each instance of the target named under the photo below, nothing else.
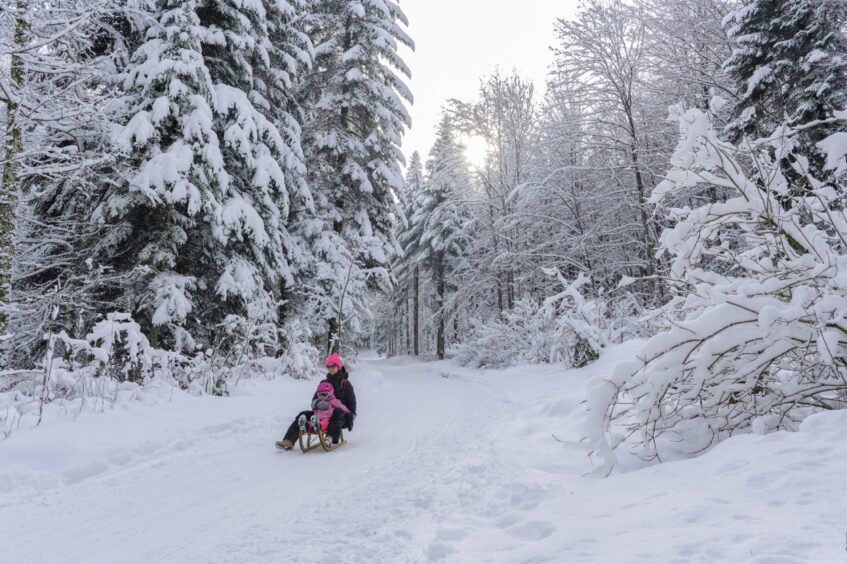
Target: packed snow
(444, 464)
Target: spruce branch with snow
(790, 64)
(206, 205)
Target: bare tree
(605, 46)
(505, 116)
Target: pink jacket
(334, 403)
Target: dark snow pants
(336, 422)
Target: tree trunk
(511, 289)
(408, 314)
(500, 293)
(417, 311)
(332, 344)
(642, 200)
(154, 336)
(439, 300)
(9, 189)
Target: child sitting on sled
(329, 411)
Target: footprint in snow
(526, 496)
(439, 551)
(450, 534)
(532, 530)
(507, 520)
(84, 471)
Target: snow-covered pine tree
(255, 53)
(175, 178)
(200, 223)
(290, 53)
(401, 317)
(790, 64)
(441, 218)
(357, 117)
(412, 187)
(407, 271)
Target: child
(324, 407)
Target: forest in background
(681, 180)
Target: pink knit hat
(325, 387)
(334, 359)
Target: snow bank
(753, 499)
(85, 438)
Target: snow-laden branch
(761, 340)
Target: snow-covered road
(445, 464)
(219, 492)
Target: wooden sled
(311, 440)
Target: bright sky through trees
(460, 41)
(475, 150)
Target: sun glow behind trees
(476, 150)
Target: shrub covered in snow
(565, 327)
(116, 356)
(759, 328)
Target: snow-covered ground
(445, 464)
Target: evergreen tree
(356, 120)
(290, 53)
(790, 64)
(412, 186)
(257, 50)
(201, 222)
(176, 174)
(441, 220)
(405, 268)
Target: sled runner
(312, 436)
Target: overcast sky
(460, 41)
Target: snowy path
(226, 495)
(459, 468)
